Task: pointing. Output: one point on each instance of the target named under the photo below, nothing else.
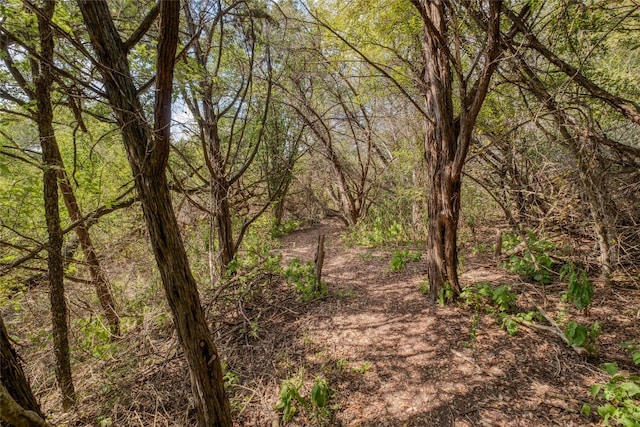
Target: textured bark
(20, 402)
(14, 414)
(55, 260)
(448, 134)
(148, 154)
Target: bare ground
(394, 359)
(391, 357)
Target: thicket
(283, 116)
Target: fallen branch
(555, 330)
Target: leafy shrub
(291, 398)
(303, 278)
(401, 257)
(536, 250)
(376, 233)
(580, 290)
(621, 396)
(94, 338)
(634, 349)
(581, 336)
(499, 302)
(285, 228)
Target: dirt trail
(394, 359)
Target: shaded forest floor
(390, 357)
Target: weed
(498, 302)
(579, 335)
(445, 294)
(320, 395)
(621, 397)
(400, 258)
(342, 363)
(580, 290)
(230, 378)
(317, 404)
(376, 233)
(285, 228)
(535, 263)
(94, 338)
(366, 367)
(290, 398)
(423, 286)
(302, 277)
(634, 349)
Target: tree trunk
(448, 134)
(97, 275)
(15, 384)
(440, 147)
(148, 155)
(55, 261)
(442, 229)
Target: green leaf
(576, 333)
(636, 357)
(610, 368)
(607, 410)
(320, 394)
(631, 388)
(595, 389)
(586, 409)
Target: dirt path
(394, 359)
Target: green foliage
(620, 396)
(401, 257)
(498, 302)
(364, 368)
(94, 338)
(482, 293)
(580, 290)
(302, 277)
(285, 228)
(634, 349)
(423, 286)
(230, 378)
(445, 294)
(581, 336)
(535, 263)
(376, 233)
(291, 398)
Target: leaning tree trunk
(148, 153)
(17, 388)
(98, 277)
(55, 260)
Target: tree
(223, 93)
(50, 157)
(450, 118)
(72, 205)
(18, 405)
(147, 144)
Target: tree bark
(16, 398)
(448, 135)
(148, 155)
(55, 260)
